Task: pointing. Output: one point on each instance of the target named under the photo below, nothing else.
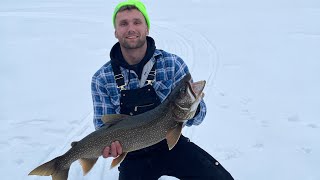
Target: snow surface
(261, 60)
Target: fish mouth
(197, 88)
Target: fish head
(187, 98)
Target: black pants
(185, 161)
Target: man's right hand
(112, 151)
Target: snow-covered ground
(261, 60)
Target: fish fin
(118, 160)
(87, 164)
(173, 135)
(112, 119)
(61, 175)
(50, 168)
(46, 169)
(74, 143)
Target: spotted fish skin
(133, 132)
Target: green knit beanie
(138, 4)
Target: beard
(133, 45)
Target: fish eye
(183, 89)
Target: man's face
(131, 29)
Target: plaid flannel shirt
(106, 96)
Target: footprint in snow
(314, 126)
(306, 150)
(294, 118)
(258, 146)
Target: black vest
(136, 101)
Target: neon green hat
(140, 6)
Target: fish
(133, 132)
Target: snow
(260, 59)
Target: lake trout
(133, 132)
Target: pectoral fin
(87, 164)
(118, 160)
(173, 135)
(112, 119)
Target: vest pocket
(143, 108)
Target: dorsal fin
(112, 119)
(74, 143)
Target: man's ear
(147, 31)
(115, 34)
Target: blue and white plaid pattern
(106, 96)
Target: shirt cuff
(199, 116)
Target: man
(138, 78)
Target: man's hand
(112, 151)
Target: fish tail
(51, 169)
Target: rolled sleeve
(198, 118)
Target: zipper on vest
(142, 106)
